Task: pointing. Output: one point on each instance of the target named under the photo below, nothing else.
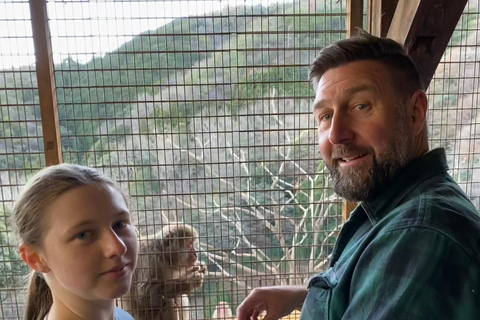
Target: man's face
(364, 134)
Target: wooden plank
(380, 15)
(347, 208)
(354, 21)
(402, 20)
(46, 83)
(354, 16)
(388, 11)
(425, 27)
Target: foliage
(467, 24)
(274, 219)
(12, 268)
(190, 117)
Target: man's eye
(84, 235)
(326, 117)
(362, 106)
(119, 225)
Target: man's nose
(341, 131)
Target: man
(411, 249)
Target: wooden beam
(402, 20)
(380, 15)
(425, 27)
(347, 208)
(46, 83)
(354, 16)
(388, 11)
(354, 21)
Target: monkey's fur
(167, 270)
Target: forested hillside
(176, 68)
(208, 120)
(205, 119)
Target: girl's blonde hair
(39, 192)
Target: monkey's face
(177, 246)
(179, 252)
(189, 255)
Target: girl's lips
(117, 272)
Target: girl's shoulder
(122, 315)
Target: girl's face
(90, 245)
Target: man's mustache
(342, 151)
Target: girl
(76, 234)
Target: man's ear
(417, 112)
(33, 258)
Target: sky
(84, 29)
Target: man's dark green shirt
(411, 252)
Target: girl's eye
(84, 235)
(119, 225)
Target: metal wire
(202, 112)
(453, 95)
(218, 135)
(21, 142)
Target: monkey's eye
(119, 225)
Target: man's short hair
(405, 76)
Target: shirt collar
(417, 171)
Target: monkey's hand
(196, 275)
(202, 268)
(175, 287)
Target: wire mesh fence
(202, 111)
(21, 142)
(453, 96)
(206, 120)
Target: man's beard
(355, 184)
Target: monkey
(167, 270)
(222, 311)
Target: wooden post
(46, 82)
(354, 16)
(402, 20)
(354, 21)
(380, 15)
(347, 208)
(425, 27)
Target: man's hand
(277, 301)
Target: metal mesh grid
(453, 96)
(21, 142)
(201, 110)
(206, 120)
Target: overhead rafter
(354, 16)
(46, 83)
(380, 15)
(425, 27)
